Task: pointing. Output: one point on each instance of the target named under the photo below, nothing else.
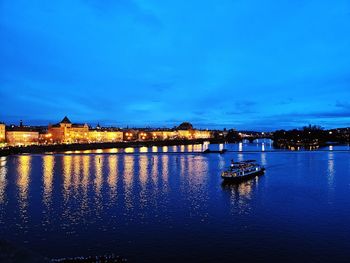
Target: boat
(240, 171)
(213, 151)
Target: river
(168, 204)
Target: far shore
(59, 148)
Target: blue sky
(246, 64)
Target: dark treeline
(309, 136)
(230, 136)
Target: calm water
(163, 206)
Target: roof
(66, 120)
(21, 129)
(185, 126)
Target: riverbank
(290, 145)
(58, 148)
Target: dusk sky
(245, 64)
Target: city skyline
(97, 124)
(242, 64)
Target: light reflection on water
(240, 195)
(48, 169)
(3, 181)
(23, 179)
(98, 180)
(113, 177)
(129, 166)
(100, 203)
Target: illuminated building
(45, 138)
(2, 132)
(186, 131)
(67, 132)
(202, 134)
(130, 135)
(156, 135)
(144, 136)
(105, 135)
(185, 134)
(164, 135)
(21, 135)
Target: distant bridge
(252, 136)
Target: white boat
(239, 171)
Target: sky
(245, 64)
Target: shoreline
(60, 148)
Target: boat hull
(238, 179)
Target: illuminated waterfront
(167, 204)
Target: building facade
(164, 135)
(21, 137)
(185, 134)
(202, 134)
(186, 131)
(105, 135)
(67, 132)
(2, 132)
(130, 135)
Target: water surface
(170, 205)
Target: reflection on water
(76, 176)
(154, 164)
(3, 181)
(98, 174)
(86, 171)
(23, 179)
(263, 159)
(240, 195)
(165, 167)
(331, 170)
(48, 169)
(96, 203)
(143, 166)
(240, 157)
(112, 176)
(67, 176)
(129, 167)
(222, 163)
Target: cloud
(343, 105)
(124, 8)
